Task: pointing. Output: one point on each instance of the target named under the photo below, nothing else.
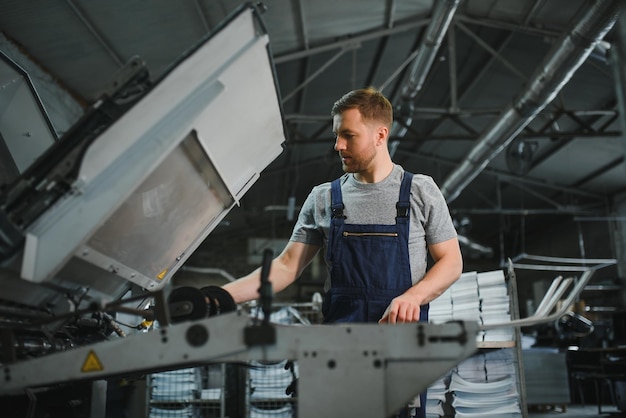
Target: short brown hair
(372, 104)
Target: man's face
(355, 141)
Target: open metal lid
(146, 186)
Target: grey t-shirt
(375, 203)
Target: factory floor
(578, 411)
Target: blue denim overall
(369, 264)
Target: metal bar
(579, 121)
(209, 270)
(552, 298)
(514, 211)
(515, 314)
(203, 19)
(600, 218)
(553, 286)
(390, 11)
(463, 125)
(96, 34)
(499, 24)
(536, 194)
(544, 267)
(398, 70)
(598, 172)
(315, 74)
(492, 51)
(353, 42)
(301, 23)
(568, 259)
(452, 68)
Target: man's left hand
(402, 309)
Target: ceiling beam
(203, 19)
(95, 33)
(350, 43)
(495, 54)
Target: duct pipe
(547, 81)
(440, 21)
(435, 32)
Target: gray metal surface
(367, 370)
(155, 183)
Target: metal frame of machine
(365, 370)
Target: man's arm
(445, 271)
(285, 269)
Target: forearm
(406, 307)
(439, 278)
(247, 287)
(284, 270)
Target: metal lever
(265, 333)
(265, 291)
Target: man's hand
(403, 308)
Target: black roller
(186, 303)
(219, 300)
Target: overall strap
(404, 203)
(336, 201)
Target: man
(377, 223)
(374, 275)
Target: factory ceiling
(510, 105)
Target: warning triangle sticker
(92, 363)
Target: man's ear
(382, 134)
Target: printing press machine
(103, 218)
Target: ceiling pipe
(435, 32)
(560, 64)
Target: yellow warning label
(92, 363)
(162, 274)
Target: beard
(357, 164)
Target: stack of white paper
(434, 409)
(481, 399)
(184, 411)
(462, 302)
(440, 309)
(472, 369)
(176, 385)
(269, 380)
(211, 394)
(494, 305)
(284, 411)
(484, 385)
(465, 300)
(436, 397)
(480, 297)
(500, 364)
